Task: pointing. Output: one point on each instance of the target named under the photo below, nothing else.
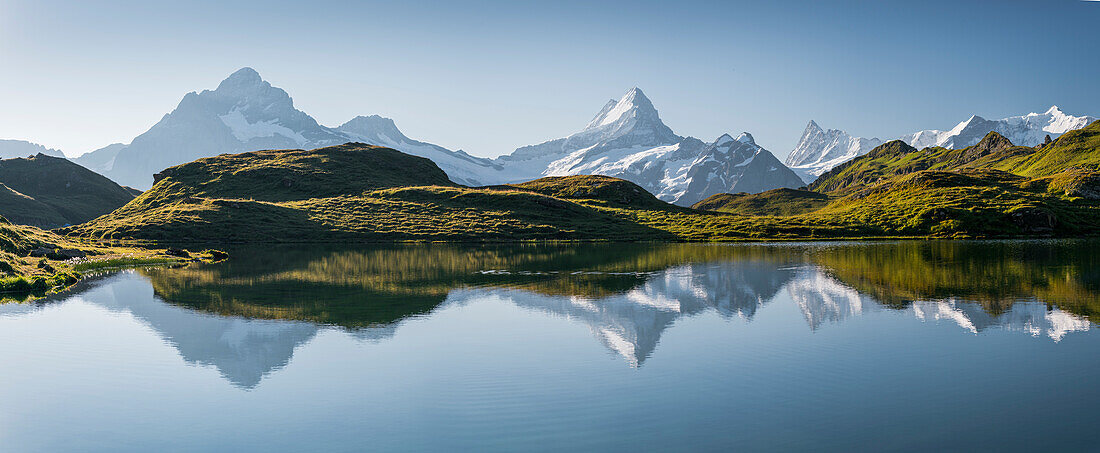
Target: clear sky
(490, 76)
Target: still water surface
(614, 347)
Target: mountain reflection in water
(247, 316)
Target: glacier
(626, 139)
(821, 150)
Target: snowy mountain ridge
(820, 150)
(625, 139)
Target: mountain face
(243, 114)
(10, 149)
(101, 160)
(732, 165)
(820, 151)
(1025, 130)
(50, 192)
(461, 167)
(628, 140)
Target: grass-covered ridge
(363, 193)
(1074, 150)
(50, 192)
(34, 262)
(287, 175)
(777, 202)
(594, 189)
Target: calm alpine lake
(587, 347)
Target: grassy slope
(1061, 274)
(50, 192)
(1078, 149)
(306, 196)
(896, 158)
(23, 276)
(968, 203)
(358, 192)
(778, 202)
(592, 189)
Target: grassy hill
(778, 202)
(286, 175)
(595, 189)
(50, 192)
(967, 203)
(991, 189)
(34, 262)
(897, 158)
(363, 193)
(1079, 149)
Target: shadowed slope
(50, 192)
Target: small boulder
(177, 252)
(218, 255)
(41, 252)
(1034, 220)
(71, 253)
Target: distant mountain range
(819, 151)
(626, 139)
(10, 149)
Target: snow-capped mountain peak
(633, 104)
(625, 139)
(630, 121)
(242, 78)
(373, 127)
(1024, 130)
(459, 166)
(820, 150)
(628, 140)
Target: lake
(587, 347)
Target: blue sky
(490, 76)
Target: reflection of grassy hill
(1065, 274)
(379, 285)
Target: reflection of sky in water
(759, 353)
